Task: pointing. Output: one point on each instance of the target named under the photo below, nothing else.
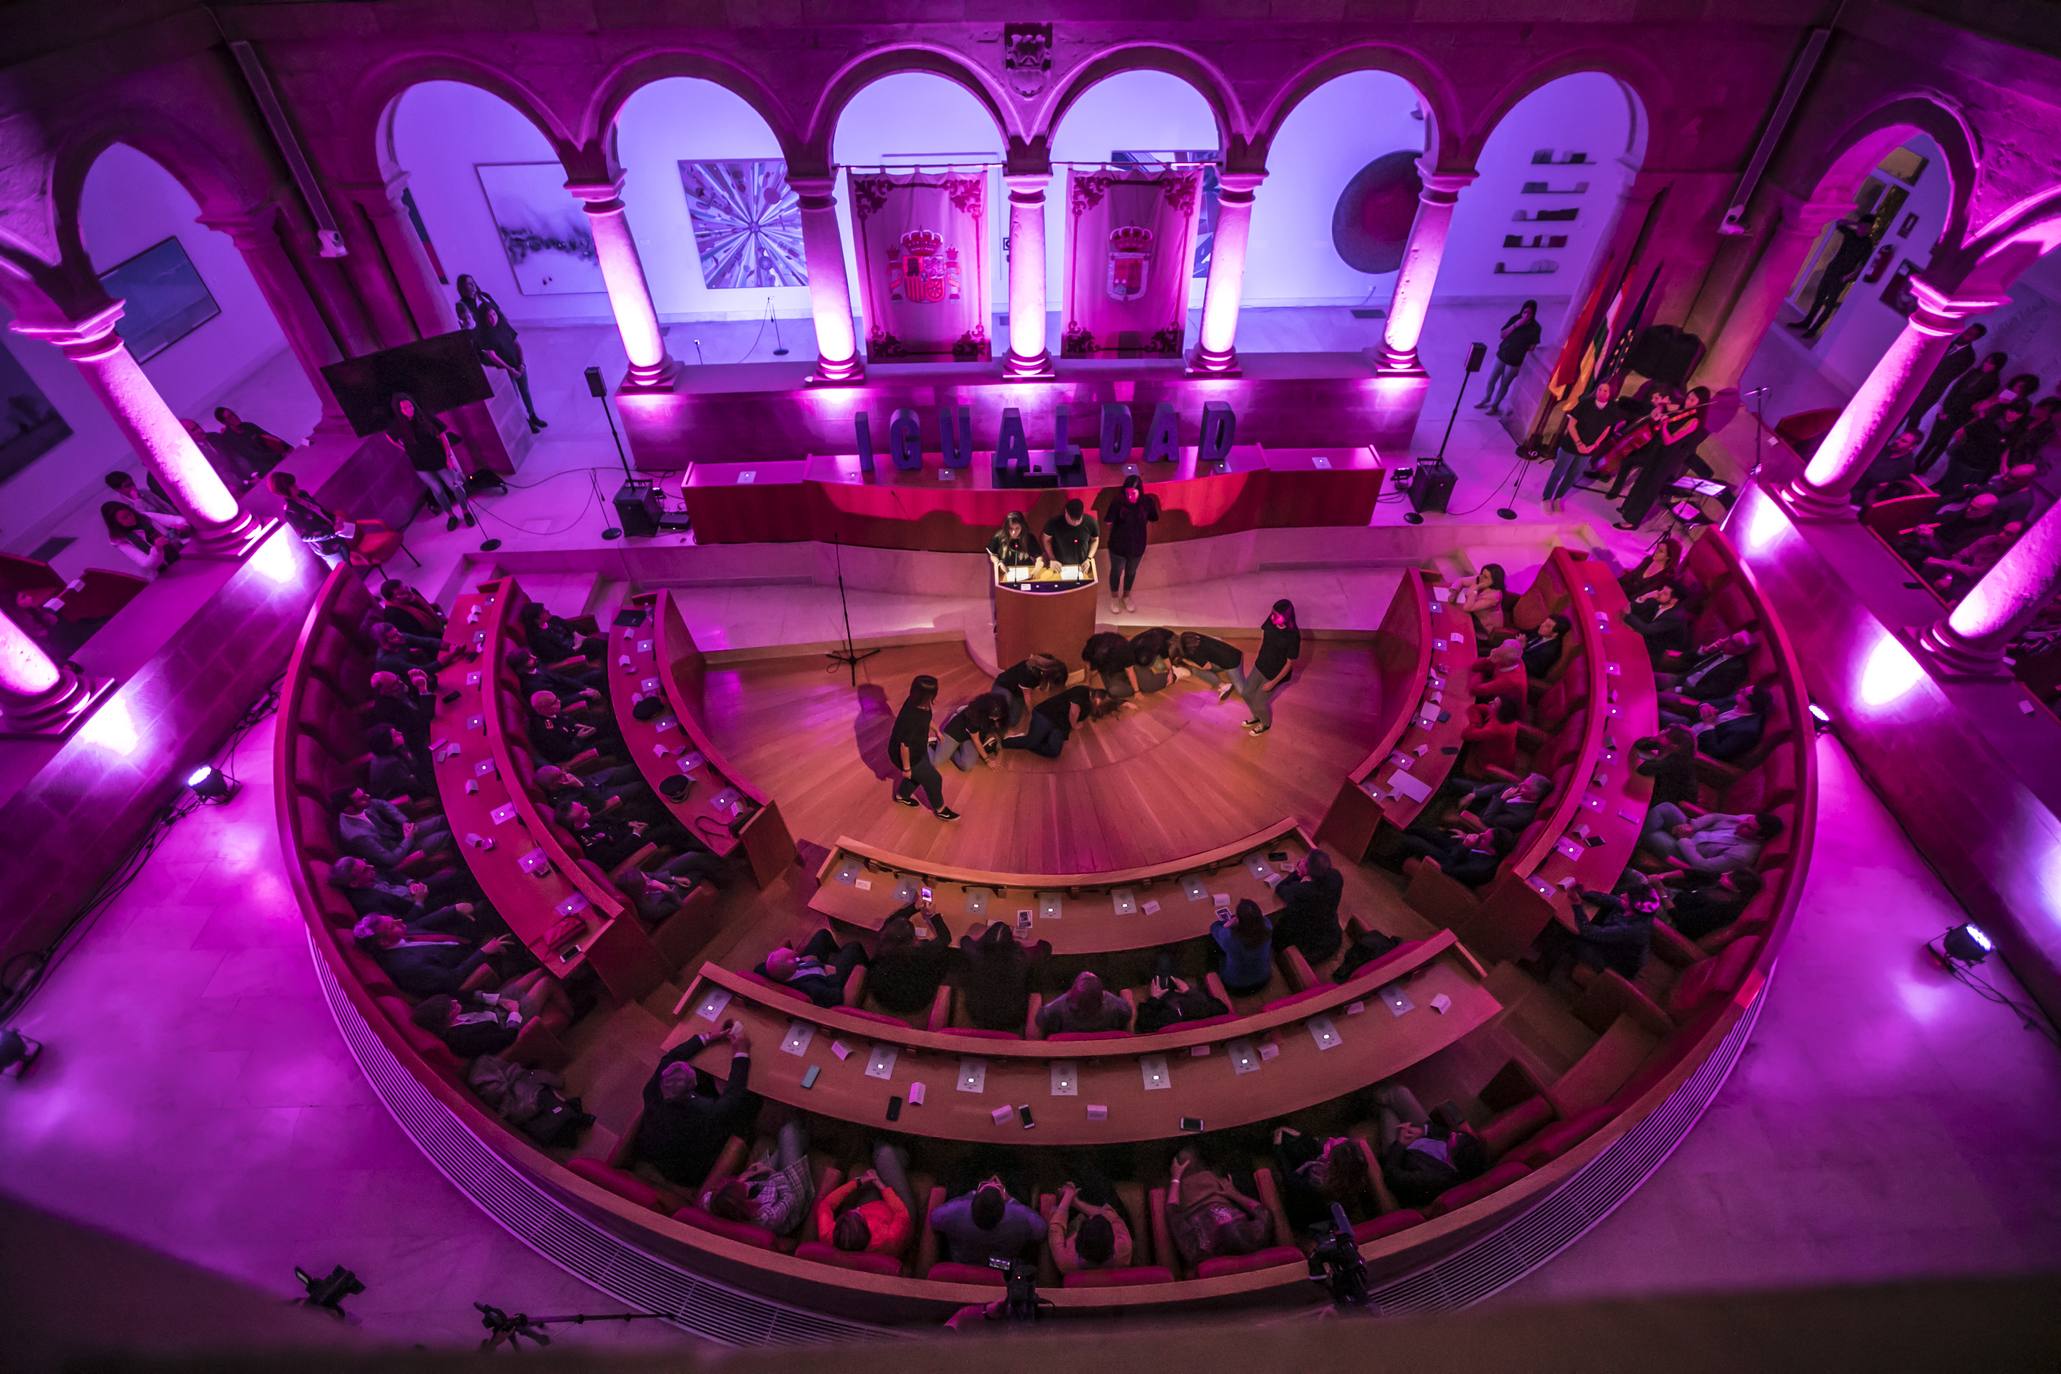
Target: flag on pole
(1578, 350)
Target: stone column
(38, 696)
(1419, 272)
(1970, 640)
(1759, 302)
(395, 280)
(830, 289)
(1881, 403)
(622, 270)
(1028, 356)
(144, 419)
(308, 336)
(1215, 349)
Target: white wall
(1339, 128)
(2029, 328)
(1587, 112)
(130, 203)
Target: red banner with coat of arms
(923, 272)
(1130, 238)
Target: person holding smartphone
(910, 959)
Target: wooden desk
(1373, 1044)
(1077, 912)
(660, 657)
(1043, 617)
(1415, 654)
(469, 743)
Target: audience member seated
(817, 970)
(1173, 1000)
(1620, 934)
(616, 790)
(380, 833)
(1730, 733)
(556, 736)
(577, 679)
(394, 770)
(1486, 598)
(1952, 577)
(1085, 1008)
(1956, 525)
(1421, 1158)
(774, 1192)
(1242, 948)
(1208, 1216)
(1660, 568)
(150, 501)
(995, 983)
(151, 546)
(1896, 464)
(1492, 731)
(255, 447)
(1088, 1228)
(1109, 657)
(405, 704)
(1544, 643)
(1711, 843)
(985, 1224)
(1316, 1173)
(426, 905)
(1505, 806)
(401, 605)
(910, 960)
(1308, 918)
(1500, 675)
(1660, 618)
(1669, 758)
(1701, 911)
(423, 962)
(870, 1213)
(1719, 670)
(1469, 857)
(479, 1022)
(555, 640)
(686, 1118)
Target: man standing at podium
(1071, 538)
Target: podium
(1051, 617)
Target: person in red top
(1492, 730)
(1500, 676)
(870, 1212)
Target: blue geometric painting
(544, 230)
(747, 223)
(164, 298)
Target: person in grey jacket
(381, 833)
(1712, 843)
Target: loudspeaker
(1431, 486)
(637, 508)
(595, 386)
(1665, 353)
(1476, 356)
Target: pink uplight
(1890, 672)
(112, 728)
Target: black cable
(1516, 469)
(2029, 1016)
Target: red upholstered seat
(1452, 1199)
(742, 1231)
(1089, 1035)
(1292, 998)
(431, 1050)
(979, 1034)
(624, 1185)
(1132, 1276)
(946, 1271)
(1709, 979)
(1562, 1136)
(881, 1016)
(1245, 1264)
(844, 1259)
(1387, 1224)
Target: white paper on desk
(1320, 462)
(863, 884)
(747, 477)
(1123, 902)
(1049, 906)
(905, 891)
(1244, 1058)
(1393, 996)
(1153, 1070)
(796, 1041)
(1151, 907)
(1409, 784)
(916, 1094)
(665, 723)
(502, 814)
(1193, 887)
(1324, 1032)
(573, 905)
(973, 1075)
(1258, 866)
(976, 902)
(1066, 1078)
(881, 1063)
(712, 1005)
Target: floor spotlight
(1967, 944)
(1821, 719)
(212, 785)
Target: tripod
(511, 1329)
(850, 657)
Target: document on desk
(1153, 1070)
(712, 1005)
(1394, 998)
(796, 1041)
(881, 1063)
(1409, 784)
(973, 1075)
(1066, 1078)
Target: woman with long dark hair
(498, 347)
(1014, 546)
(1486, 598)
(973, 732)
(427, 442)
(1108, 656)
(1280, 647)
(1152, 653)
(1124, 530)
(142, 543)
(908, 749)
(1242, 944)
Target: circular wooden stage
(1176, 775)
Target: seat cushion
(626, 1186)
(1131, 1276)
(1452, 1199)
(946, 1271)
(844, 1259)
(1562, 1136)
(1089, 1035)
(742, 1231)
(1245, 1264)
(1387, 1224)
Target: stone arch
(1646, 89)
(1844, 158)
(597, 126)
(1233, 134)
(1440, 103)
(1994, 257)
(370, 126)
(813, 154)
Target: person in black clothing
(1620, 934)
(1171, 1001)
(1072, 537)
(404, 704)
(686, 1120)
(422, 962)
(1669, 758)
(1280, 647)
(579, 679)
(1219, 664)
(1051, 721)
(1978, 448)
(973, 732)
(1013, 546)
(1130, 513)
(1421, 1158)
(1520, 336)
(472, 302)
(908, 749)
(426, 441)
(1543, 645)
(1680, 434)
(1468, 857)
(1856, 240)
(1719, 670)
(426, 905)
(1590, 423)
(476, 1023)
(1039, 671)
(1108, 656)
(495, 339)
(1308, 918)
(1660, 618)
(395, 771)
(1698, 911)
(1959, 357)
(1969, 390)
(995, 977)
(817, 970)
(910, 960)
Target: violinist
(1681, 431)
(1589, 427)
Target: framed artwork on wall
(1903, 231)
(1211, 160)
(163, 298)
(29, 425)
(747, 223)
(544, 230)
(1897, 293)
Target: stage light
(212, 785)
(18, 1054)
(1967, 944)
(1821, 719)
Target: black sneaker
(905, 801)
(1255, 728)
(946, 813)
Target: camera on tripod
(1336, 1262)
(1020, 1302)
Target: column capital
(82, 340)
(1237, 188)
(601, 197)
(814, 186)
(1443, 187)
(1940, 313)
(1027, 188)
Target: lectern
(1038, 612)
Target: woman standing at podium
(1014, 546)
(1124, 529)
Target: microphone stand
(850, 657)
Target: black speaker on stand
(636, 502)
(1431, 485)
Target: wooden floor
(1176, 775)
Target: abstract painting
(1205, 232)
(747, 223)
(29, 425)
(544, 230)
(164, 298)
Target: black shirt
(1157, 1013)
(1070, 542)
(1673, 774)
(1018, 678)
(1012, 552)
(910, 737)
(682, 1138)
(421, 439)
(959, 725)
(1127, 523)
(1970, 391)
(904, 978)
(1541, 654)
(1065, 709)
(1518, 342)
(1278, 648)
(1308, 918)
(1214, 653)
(1591, 420)
(1851, 252)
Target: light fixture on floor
(329, 1291)
(212, 785)
(18, 1054)
(1821, 719)
(1966, 944)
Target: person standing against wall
(1520, 337)
(1124, 526)
(1856, 238)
